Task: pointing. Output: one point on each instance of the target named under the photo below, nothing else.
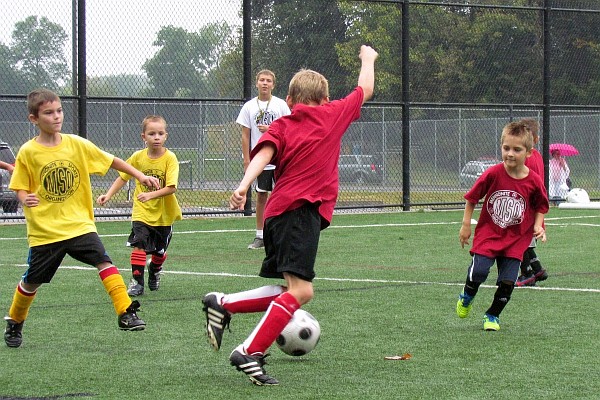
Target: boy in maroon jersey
(531, 267)
(305, 147)
(513, 210)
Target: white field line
(223, 274)
(387, 281)
(547, 220)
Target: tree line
(458, 54)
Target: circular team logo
(265, 117)
(506, 208)
(158, 174)
(59, 180)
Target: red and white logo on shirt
(506, 207)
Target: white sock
(259, 233)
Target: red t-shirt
(535, 163)
(307, 148)
(506, 221)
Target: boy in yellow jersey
(153, 211)
(52, 182)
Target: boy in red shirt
(513, 210)
(531, 267)
(305, 147)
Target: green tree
(181, 66)
(11, 80)
(122, 85)
(37, 49)
(291, 34)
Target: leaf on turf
(405, 356)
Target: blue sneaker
(491, 323)
(464, 305)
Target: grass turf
(387, 285)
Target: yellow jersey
(162, 211)
(60, 176)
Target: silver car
(8, 198)
(473, 170)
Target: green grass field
(386, 285)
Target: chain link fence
(470, 67)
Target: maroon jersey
(507, 216)
(535, 163)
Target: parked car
(360, 168)
(473, 170)
(8, 198)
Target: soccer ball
(300, 335)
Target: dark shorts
(291, 243)
(45, 259)
(152, 239)
(508, 268)
(265, 181)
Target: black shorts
(45, 259)
(291, 243)
(265, 181)
(152, 239)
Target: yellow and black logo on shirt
(59, 180)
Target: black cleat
(129, 321)
(13, 335)
(153, 279)
(217, 319)
(135, 288)
(525, 280)
(252, 366)
(541, 275)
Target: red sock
(156, 262)
(272, 323)
(138, 264)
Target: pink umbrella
(564, 148)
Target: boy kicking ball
(305, 147)
(513, 209)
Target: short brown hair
(533, 126)
(266, 72)
(38, 97)
(308, 86)
(518, 129)
(152, 118)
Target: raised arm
(366, 77)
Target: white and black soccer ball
(301, 335)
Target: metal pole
(74, 62)
(81, 70)
(247, 54)
(546, 93)
(405, 109)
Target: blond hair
(38, 97)
(308, 86)
(521, 130)
(266, 72)
(152, 118)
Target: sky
(120, 33)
